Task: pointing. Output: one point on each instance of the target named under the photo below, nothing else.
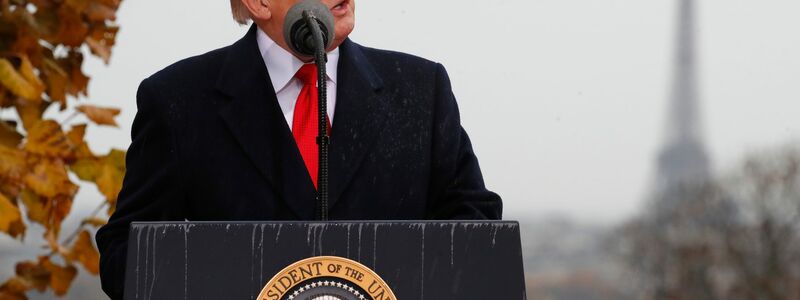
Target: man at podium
(229, 135)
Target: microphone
(299, 33)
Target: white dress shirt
(282, 67)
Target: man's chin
(336, 43)
(342, 32)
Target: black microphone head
(298, 34)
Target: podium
(379, 260)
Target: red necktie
(305, 124)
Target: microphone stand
(323, 140)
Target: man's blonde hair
(240, 12)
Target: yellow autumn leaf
(100, 115)
(58, 209)
(57, 81)
(87, 169)
(110, 3)
(30, 112)
(72, 30)
(48, 198)
(6, 294)
(36, 207)
(109, 181)
(84, 252)
(77, 5)
(76, 134)
(102, 38)
(99, 49)
(61, 206)
(49, 179)
(12, 164)
(34, 274)
(94, 222)
(115, 158)
(80, 147)
(112, 207)
(9, 136)
(16, 82)
(26, 69)
(98, 11)
(78, 81)
(5, 96)
(82, 151)
(46, 138)
(14, 289)
(61, 277)
(10, 189)
(10, 218)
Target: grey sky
(564, 99)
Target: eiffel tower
(684, 213)
(683, 159)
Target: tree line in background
(42, 46)
(737, 237)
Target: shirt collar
(282, 65)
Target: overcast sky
(564, 99)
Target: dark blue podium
(315, 260)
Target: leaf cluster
(42, 46)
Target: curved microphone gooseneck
(308, 30)
(323, 141)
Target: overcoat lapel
(361, 105)
(255, 119)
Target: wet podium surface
(417, 260)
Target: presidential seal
(326, 278)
